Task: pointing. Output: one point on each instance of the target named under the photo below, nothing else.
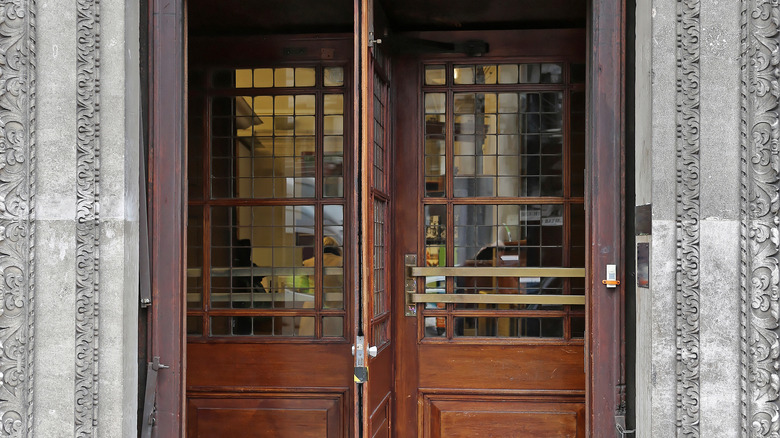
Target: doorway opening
(337, 156)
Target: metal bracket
(410, 284)
(620, 413)
(373, 42)
(620, 426)
(150, 397)
(611, 282)
(361, 370)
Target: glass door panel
(507, 201)
(274, 244)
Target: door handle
(372, 351)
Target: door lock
(410, 285)
(611, 282)
(372, 351)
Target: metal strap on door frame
(150, 397)
(413, 271)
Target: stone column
(714, 161)
(86, 219)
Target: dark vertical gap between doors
(630, 202)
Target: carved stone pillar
(86, 219)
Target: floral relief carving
(760, 218)
(688, 213)
(17, 121)
(87, 218)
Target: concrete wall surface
(696, 107)
(86, 218)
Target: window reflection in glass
(264, 253)
(507, 144)
(503, 141)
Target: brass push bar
(503, 271)
(413, 271)
(574, 300)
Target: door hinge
(150, 397)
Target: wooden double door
(388, 243)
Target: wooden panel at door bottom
(266, 416)
(268, 365)
(453, 416)
(502, 367)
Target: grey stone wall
(86, 204)
(707, 359)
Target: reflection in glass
(503, 142)
(263, 77)
(435, 326)
(286, 256)
(195, 257)
(264, 257)
(508, 327)
(435, 75)
(333, 76)
(333, 326)
(577, 143)
(516, 162)
(435, 235)
(194, 325)
(381, 302)
(261, 326)
(270, 152)
(435, 153)
(463, 74)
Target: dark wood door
(375, 177)
(270, 238)
(490, 234)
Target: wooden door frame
(166, 186)
(605, 346)
(166, 121)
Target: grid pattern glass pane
(380, 100)
(507, 327)
(194, 257)
(514, 202)
(577, 136)
(508, 144)
(380, 291)
(268, 264)
(435, 129)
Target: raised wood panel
(313, 415)
(381, 419)
(458, 416)
(506, 367)
(268, 365)
(381, 377)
